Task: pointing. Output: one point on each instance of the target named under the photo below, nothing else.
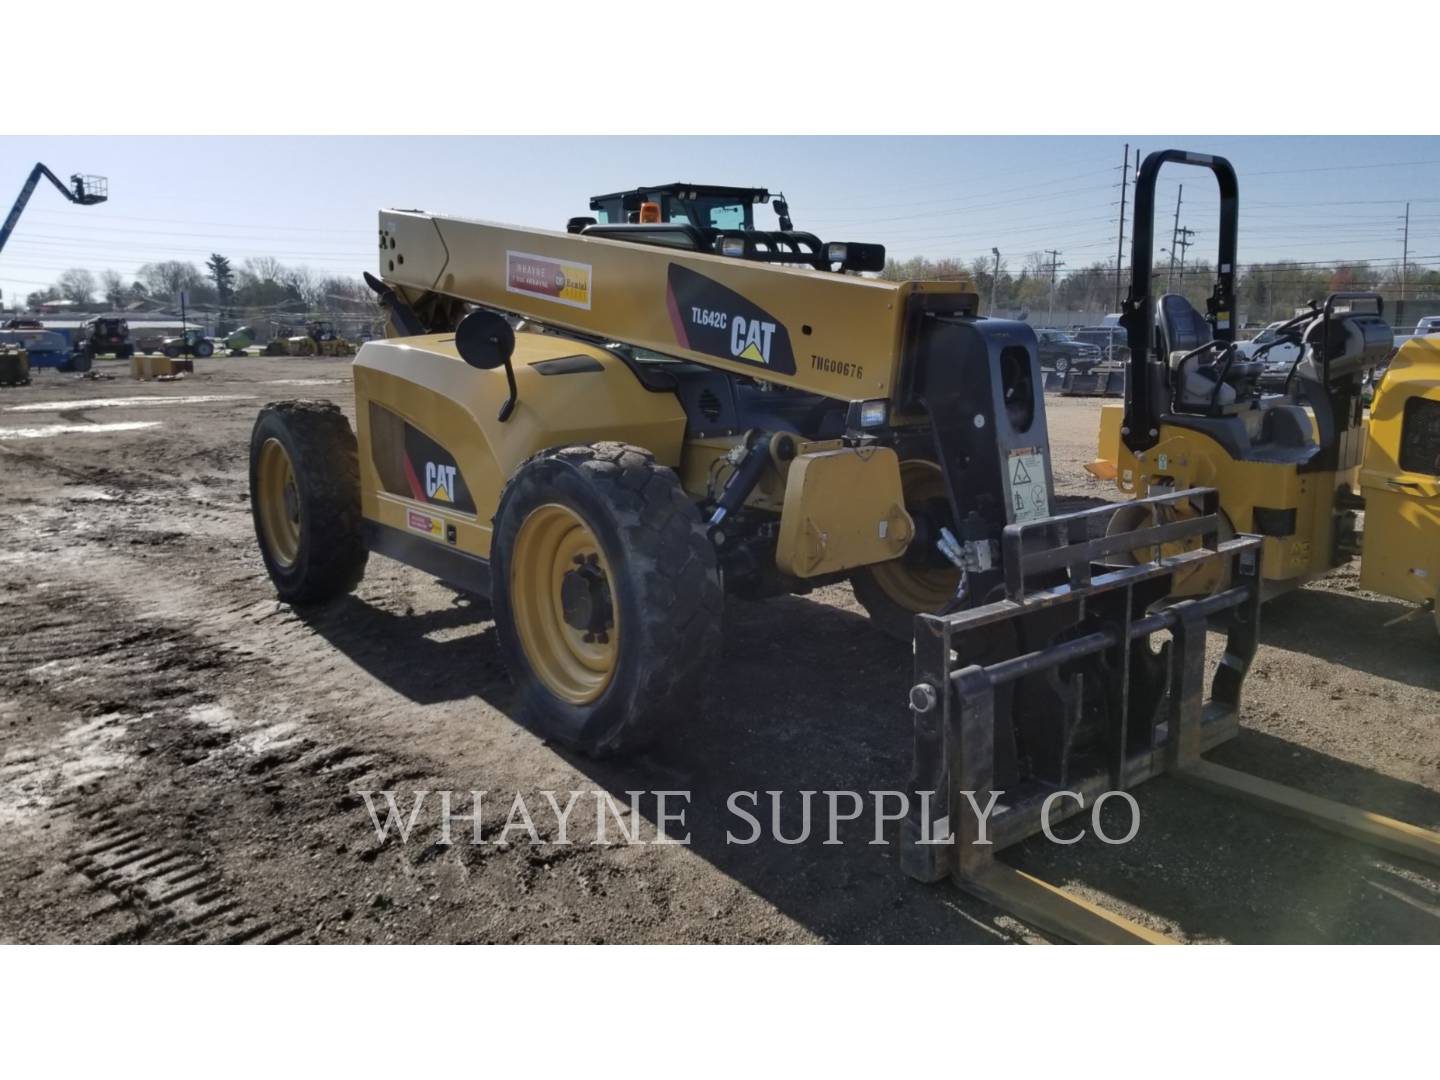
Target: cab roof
(640, 194)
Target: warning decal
(559, 280)
(1029, 496)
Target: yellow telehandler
(606, 430)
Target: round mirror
(484, 340)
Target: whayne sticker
(427, 524)
(550, 279)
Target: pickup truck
(1059, 352)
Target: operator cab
(710, 206)
(721, 221)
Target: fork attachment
(1058, 685)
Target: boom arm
(833, 334)
(84, 193)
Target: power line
(184, 221)
(959, 198)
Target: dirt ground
(181, 757)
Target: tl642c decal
(715, 320)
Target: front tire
(607, 596)
(894, 592)
(1062, 366)
(305, 500)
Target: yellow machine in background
(1400, 479)
(319, 339)
(1296, 469)
(14, 365)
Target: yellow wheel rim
(918, 588)
(562, 601)
(278, 497)
(1199, 580)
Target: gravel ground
(181, 758)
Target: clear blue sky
(313, 200)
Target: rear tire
(305, 500)
(606, 594)
(204, 350)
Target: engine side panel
(434, 457)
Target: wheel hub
(585, 599)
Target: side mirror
(485, 340)
(782, 211)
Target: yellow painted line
(1056, 911)
(1376, 829)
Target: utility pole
(1405, 253)
(994, 279)
(1174, 234)
(1055, 264)
(1184, 242)
(1120, 247)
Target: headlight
(837, 253)
(733, 246)
(873, 413)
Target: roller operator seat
(1183, 330)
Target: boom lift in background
(83, 191)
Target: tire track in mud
(87, 658)
(91, 641)
(85, 661)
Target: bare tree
(262, 269)
(77, 285)
(163, 280)
(114, 288)
(307, 284)
(41, 296)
